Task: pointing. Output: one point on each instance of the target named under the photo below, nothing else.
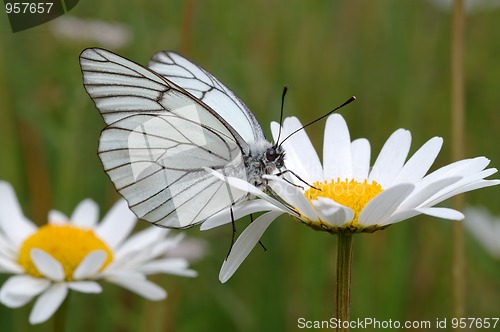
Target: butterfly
(165, 126)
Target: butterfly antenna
(285, 89)
(348, 101)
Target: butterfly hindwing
(207, 88)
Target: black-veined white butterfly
(164, 126)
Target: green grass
(393, 55)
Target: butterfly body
(263, 158)
(165, 125)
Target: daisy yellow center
(65, 243)
(349, 193)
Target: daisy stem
(60, 317)
(344, 267)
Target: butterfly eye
(271, 154)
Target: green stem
(60, 317)
(344, 267)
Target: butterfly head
(276, 156)
(263, 158)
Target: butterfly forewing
(157, 142)
(204, 86)
(120, 87)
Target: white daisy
(485, 228)
(72, 253)
(345, 194)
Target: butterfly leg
(260, 242)
(233, 236)
(298, 177)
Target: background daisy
(74, 253)
(485, 227)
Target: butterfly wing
(204, 86)
(157, 142)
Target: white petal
(418, 165)
(382, 206)
(25, 285)
(459, 168)
(9, 266)
(85, 286)
(134, 253)
(337, 159)
(420, 195)
(240, 210)
(245, 243)
(117, 224)
(478, 184)
(90, 265)
(440, 212)
(140, 241)
(360, 152)
(400, 216)
(293, 196)
(176, 266)
(331, 212)
(57, 218)
(391, 158)
(134, 260)
(247, 187)
(141, 286)
(301, 157)
(468, 183)
(127, 274)
(19, 290)
(191, 249)
(7, 249)
(275, 130)
(14, 301)
(167, 243)
(12, 220)
(48, 303)
(86, 214)
(47, 265)
(125, 262)
(473, 165)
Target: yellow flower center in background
(66, 243)
(349, 193)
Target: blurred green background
(393, 55)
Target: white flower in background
(485, 228)
(345, 194)
(72, 253)
(109, 34)
(470, 6)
